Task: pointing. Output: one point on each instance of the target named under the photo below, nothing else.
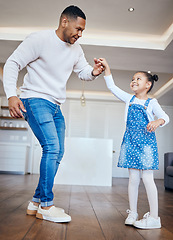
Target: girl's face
(140, 83)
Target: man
(50, 57)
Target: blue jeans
(47, 123)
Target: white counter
(87, 161)
(13, 157)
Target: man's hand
(15, 104)
(98, 67)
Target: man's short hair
(73, 12)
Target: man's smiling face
(73, 30)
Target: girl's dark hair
(73, 12)
(151, 78)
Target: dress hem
(139, 168)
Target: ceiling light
(131, 9)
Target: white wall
(105, 119)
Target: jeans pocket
(24, 113)
(40, 110)
(44, 118)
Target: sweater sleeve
(120, 94)
(159, 113)
(26, 52)
(82, 67)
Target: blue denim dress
(139, 146)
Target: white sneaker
(132, 217)
(148, 222)
(32, 209)
(53, 214)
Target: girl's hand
(153, 125)
(105, 65)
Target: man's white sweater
(49, 62)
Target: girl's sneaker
(148, 222)
(132, 217)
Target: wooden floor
(98, 213)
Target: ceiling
(130, 41)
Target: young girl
(139, 147)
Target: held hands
(105, 65)
(98, 67)
(153, 125)
(15, 104)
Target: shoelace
(131, 214)
(146, 215)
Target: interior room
(133, 35)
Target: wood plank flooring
(98, 213)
